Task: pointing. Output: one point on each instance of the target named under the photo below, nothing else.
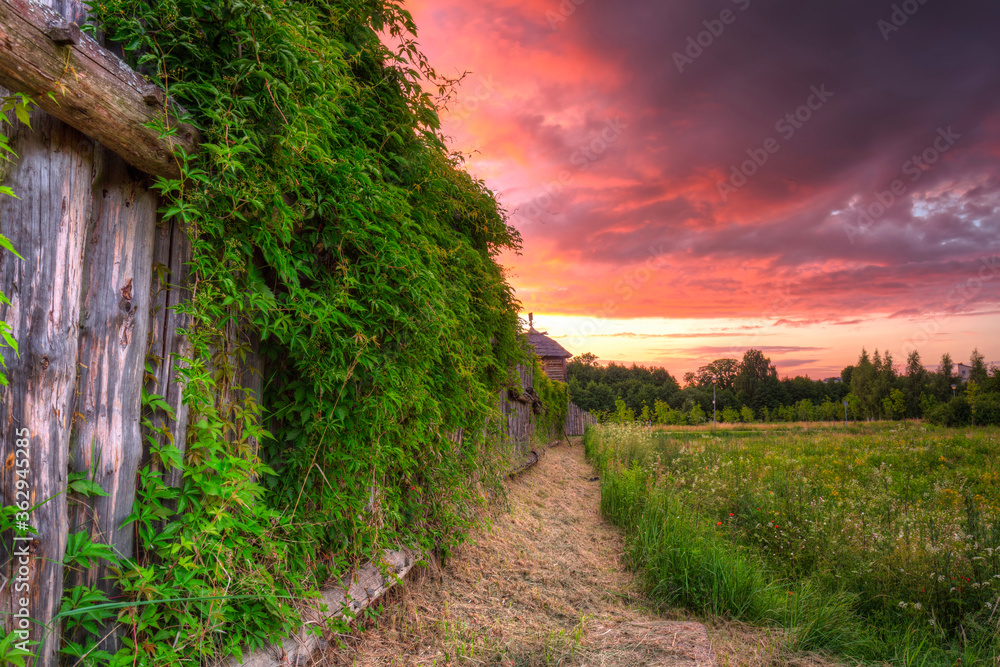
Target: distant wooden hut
(553, 354)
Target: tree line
(749, 390)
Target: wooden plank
(577, 420)
(355, 593)
(47, 225)
(171, 286)
(107, 442)
(93, 90)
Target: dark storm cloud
(879, 107)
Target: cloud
(632, 223)
(796, 363)
(680, 336)
(766, 349)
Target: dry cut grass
(545, 584)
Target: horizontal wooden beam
(356, 593)
(92, 89)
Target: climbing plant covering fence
(254, 300)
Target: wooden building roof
(545, 346)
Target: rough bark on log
(47, 226)
(93, 90)
(354, 594)
(107, 441)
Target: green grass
(877, 542)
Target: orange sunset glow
(695, 178)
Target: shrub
(956, 412)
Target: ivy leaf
(82, 551)
(4, 241)
(21, 111)
(85, 487)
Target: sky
(695, 178)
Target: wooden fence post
(107, 442)
(171, 279)
(47, 226)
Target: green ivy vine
(337, 241)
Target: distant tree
(853, 406)
(894, 405)
(993, 384)
(944, 378)
(947, 368)
(730, 415)
(846, 375)
(898, 403)
(801, 387)
(885, 380)
(757, 383)
(595, 388)
(914, 384)
(863, 385)
(623, 414)
(721, 372)
(830, 410)
(972, 394)
(677, 417)
(661, 410)
(696, 415)
(746, 414)
(978, 372)
(928, 402)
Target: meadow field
(876, 542)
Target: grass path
(545, 585)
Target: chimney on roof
(531, 319)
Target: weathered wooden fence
(91, 301)
(577, 419)
(517, 409)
